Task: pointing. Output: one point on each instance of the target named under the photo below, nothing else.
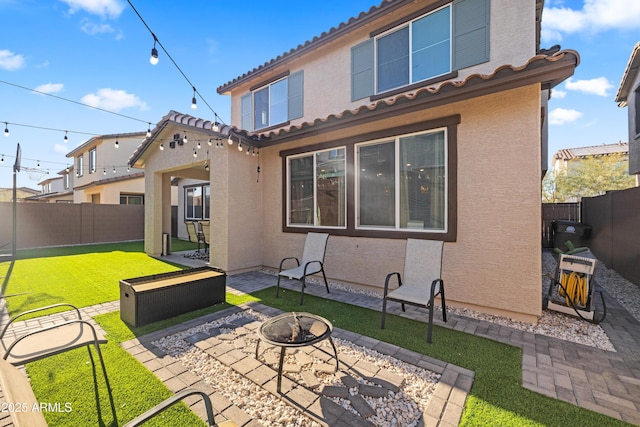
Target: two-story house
(101, 171)
(629, 96)
(564, 158)
(385, 127)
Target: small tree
(588, 177)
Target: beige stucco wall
(110, 193)
(327, 84)
(495, 263)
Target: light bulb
(149, 131)
(161, 146)
(193, 103)
(215, 127)
(209, 142)
(195, 153)
(6, 129)
(114, 169)
(185, 138)
(239, 146)
(199, 145)
(229, 140)
(117, 144)
(154, 56)
(66, 139)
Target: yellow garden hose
(574, 288)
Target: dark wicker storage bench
(147, 299)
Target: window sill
(403, 89)
(272, 127)
(449, 236)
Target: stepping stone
(361, 405)
(349, 381)
(324, 367)
(214, 331)
(291, 367)
(241, 330)
(227, 337)
(335, 391)
(310, 379)
(241, 321)
(271, 359)
(240, 343)
(200, 336)
(373, 391)
(303, 358)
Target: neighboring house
(384, 128)
(55, 189)
(629, 96)
(6, 194)
(563, 159)
(102, 175)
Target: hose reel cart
(573, 288)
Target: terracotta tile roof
(110, 180)
(503, 72)
(592, 151)
(629, 76)
(344, 27)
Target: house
(58, 189)
(6, 194)
(101, 172)
(562, 158)
(385, 127)
(629, 96)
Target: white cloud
(103, 8)
(595, 16)
(560, 116)
(558, 94)
(61, 149)
(114, 100)
(93, 29)
(10, 61)
(50, 88)
(598, 86)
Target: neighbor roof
(387, 6)
(629, 76)
(593, 151)
(82, 147)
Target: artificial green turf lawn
(81, 280)
(497, 397)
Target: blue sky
(97, 52)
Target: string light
(195, 153)
(161, 146)
(6, 129)
(193, 100)
(117, 144)
(66, 138)
(229, 140)
(239, 146)
(154, 52)
(149, 130)
(185, 138)
(2, 159)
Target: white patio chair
(421, 282)
(315, 246)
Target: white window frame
(315, 189)
(396, 140)
(190, 216)
(410, 25)
(93, 160)
(253, 103)
(80, 165)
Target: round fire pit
(295, 330)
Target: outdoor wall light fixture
(154, 52)
(6, 129)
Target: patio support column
(153, 211)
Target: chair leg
(302, 290)
(278, 286)
(384, 312)
(444, 305)
(325, 280)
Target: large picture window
(416, 52)
(197, 204)
(401, 183)
(316, 189)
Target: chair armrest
(386, 281)
(49, 328)
(433, 288)
(285, 259)
(311, 262)
(35, 310)
(167, 403)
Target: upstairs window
(66, 181)
(418, 51)
(93, 158)
(424, 48)
(79, 165)
(273, 103)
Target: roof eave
(629, 76)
